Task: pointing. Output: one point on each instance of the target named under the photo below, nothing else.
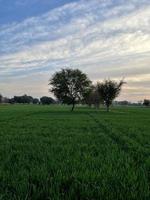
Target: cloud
(102, 38)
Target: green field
(47, 152)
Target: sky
(103, 38)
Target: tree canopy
(47, 100)
(69, 86)
(23, 99)
(109, 90)
(146, 102)
(35, 101)
(92, 97)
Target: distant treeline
(25, 99)
(145, 102)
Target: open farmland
(48, 152)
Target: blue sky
(18, 10)
(104, 38)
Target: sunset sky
(103, 38)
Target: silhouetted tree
(69, 86)
(11, 101)
(1, 97)
(109, 90)
(27, 99)
(17, 99)
(146, 102)
(47, 100)
(36, 101)
(92, 97)
(23, 99)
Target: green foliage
(69, 85)
(36, 101)
(146, 102)
(109, 90)
(92, 97)
(47, 152)
(47, 100)
(23, 99)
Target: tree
(1, 97)
(11, 101)
(47, 100)
(36, 101)
(69, 86)
(146, 102)
(27, 99)
(23, 99)
(92, 97)
(109, 90)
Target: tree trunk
(97, 106)
(73, 105)
(107, 108)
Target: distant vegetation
(25, 99)
(72, 86)
(146, 102)
(47, 100)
